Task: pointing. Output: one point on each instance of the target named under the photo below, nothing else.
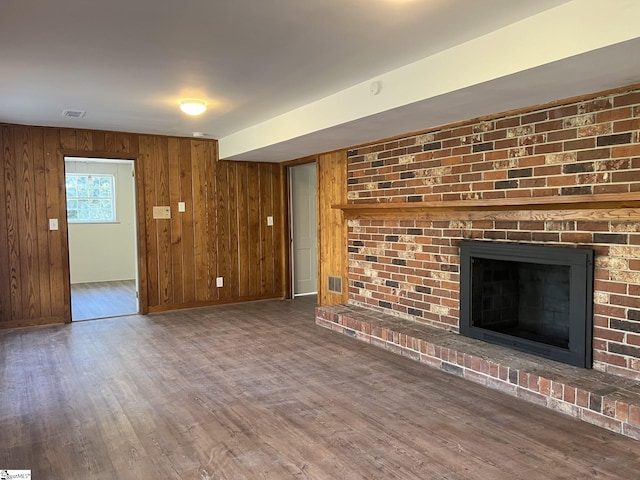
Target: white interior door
(303, 227)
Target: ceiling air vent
(73, 113)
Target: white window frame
(91, 199)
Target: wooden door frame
(141, 234)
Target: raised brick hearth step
(599, 398)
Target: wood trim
(285, 233)
(141, 250)
(34, 322)
(94, 154)
(141, 234)
(64, 230)
(300, 161)
(622, 206)
(632, 214)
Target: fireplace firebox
(533, 298)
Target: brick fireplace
(564, 175)
(409, 267)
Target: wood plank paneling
(212, 225)
(58, 245)
(224, 247)
(147, 156)
(40, 183)
(68, 139)
(253, 190)
(164, 225)
(177, 271)
(248, 253)
(280, 231)
(244, 241)
(235, 255)
(186, 196)
(141, 213)
(223, 231)
(98, 142)
(200, 223)
(266, 237)
(84, 140)
(5, 277)
(28, 230)
(332, 226)
(12, 213)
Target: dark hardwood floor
(257, 391)
(103, 299)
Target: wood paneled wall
(33, 288)
(249, 251)
(332, 226)
(223, 232)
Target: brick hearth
(606, 400)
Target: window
(90, 198)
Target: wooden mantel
(614, 206)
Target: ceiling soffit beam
(566, 31)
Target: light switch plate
(53, 224)
(160, 212)
(182, 207)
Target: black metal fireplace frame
(580, 263)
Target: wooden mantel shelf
(618, 206)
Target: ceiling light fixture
(193, 107)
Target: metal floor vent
(335, 284)
(73, 113)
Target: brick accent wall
(410, 268)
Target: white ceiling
(285, 78)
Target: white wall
(101, 252)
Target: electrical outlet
(270, 221)
(53, 224)
(182, 207)
(219, 282)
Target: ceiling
(288, 78)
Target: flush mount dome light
(193, 107)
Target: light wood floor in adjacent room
(257, 391)
(103, 299)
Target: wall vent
(335, 284)
(73, 113)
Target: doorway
(304, 239)
(101, 217)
